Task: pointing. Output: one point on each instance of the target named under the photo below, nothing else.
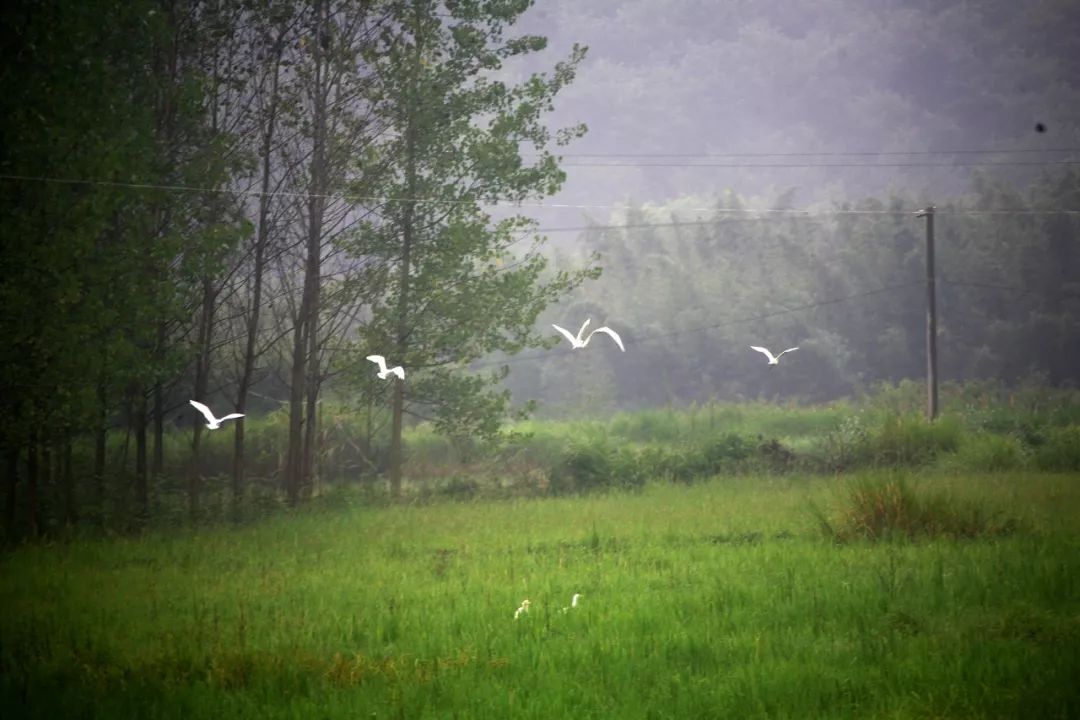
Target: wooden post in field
(931, 317)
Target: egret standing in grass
(573, 602)
(524, 609)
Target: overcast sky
(783, 76)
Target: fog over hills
(841, 76)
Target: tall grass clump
(877, 509)
(1060, 450)
(910, 440)
(985, 452)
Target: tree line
(202, 199)
(691, 291)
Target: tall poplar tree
(445, 295)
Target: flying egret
(383, 371)
(523, 609)
(577, 342)
(773, 360)
(573, 602)
(212, 422)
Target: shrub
(911, 440)
(879, 510)
(628, 472)
(774, 456)
(988, 452)
(847, 446)
(1061, 450)
(726, 452)
(669, 463)
(582, 468)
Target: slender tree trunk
(158, 463)
(311, 438)
(142, 483)
(99, 454)
(407, 229)
(307, 318)
(296, 408)
(68, 480)
(10, 482)
(45, 467)
(261, 239)
(194, 471)
(202, 381)
(32, 520)
(395, 439)
(367, 433)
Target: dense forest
(238, 201)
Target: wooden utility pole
(931, 317)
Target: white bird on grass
(213, 422)
(573, 602)
(383, 371)
(524, 609)
(577, 342)
(773, 359)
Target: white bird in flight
(383, 371)
(213, 422)
(773, 359)
(577, 342)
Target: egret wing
(231, 416)
(581, 330)
(787, 351)
(566, 333)
(399, 371)
(614, 336)
(764, 351)
(204, 410)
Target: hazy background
(849, 102)
(707, 78)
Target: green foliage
(582, 469)
(447, 286)
(986, 452)
(888, 508)
(910, 440)
(1060, 451)
(536, 457)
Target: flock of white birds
(576, 343)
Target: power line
(759, 166)
(573, 206)
(1010, 288)
(863, 153)
(686, 223)
(688, 331)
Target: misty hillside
(842, 76)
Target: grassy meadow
(877, 594)
(984, 427)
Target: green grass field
(720, 599)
